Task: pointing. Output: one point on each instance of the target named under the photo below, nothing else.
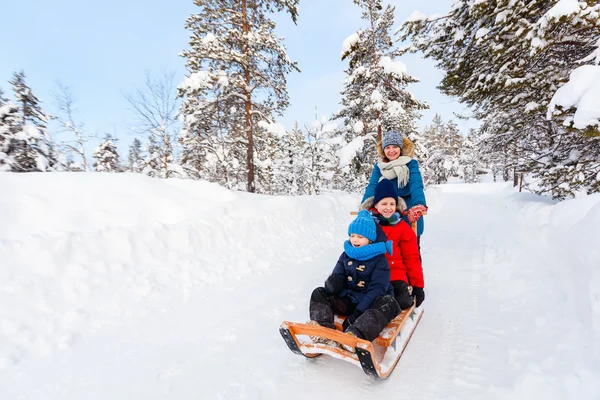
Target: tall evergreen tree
(237, 78)
(33, 149)
(135, 159)
(506, 59)
(471, 158)
(107, 156)
(10, 126)
(374, 98)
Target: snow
(562, 8)
(481, 32)
(416, 16)
(393, 67)
(196, 81)
(582, 91)
(273, 127)
(347, 153)
(119, 286)
(348, 42)
(210, 37)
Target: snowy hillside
(117, 286)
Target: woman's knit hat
(363, 225)
(392, 138)
(385, 188)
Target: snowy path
(497, 323)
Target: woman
(397, 165)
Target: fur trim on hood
(368, 204)
(408, 149)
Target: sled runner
(377, 358)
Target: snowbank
(161, 289)
(82, 252)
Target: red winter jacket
(405, 261)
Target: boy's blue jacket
(365, 280)
(412, 193)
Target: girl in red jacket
(405, 260)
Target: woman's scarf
(396, 169)
(369, 251)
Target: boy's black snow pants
(368, 326)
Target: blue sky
(102, 49)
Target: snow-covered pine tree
(135, 158)
(33, 148)
(470, 158)
(3, 100)
(151, 165)
(267, 154)
(107, 156)
(10, 126)
(506, 59)
(452, 145)
(291, 162)
(323, 157)
(441, 162)
(237, 78)
(374, 98)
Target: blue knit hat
(363, 225)
(385, 188)
(392, 138)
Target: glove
(351, 319)
(419, 295)
(334, 284)
(416, 212)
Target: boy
(359, 285)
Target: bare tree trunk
(374, 62)
(248, 107)
(65, 101)
(515, 165)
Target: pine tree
(135, 158)
(237, 78)
(437, 166)
(3, 100)
(33, 148)
(292, 162)
(107, 156)
(10, 126)
(470, 158)
(323, 161)
(374, 98)
(506, 59)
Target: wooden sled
(377, 358)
